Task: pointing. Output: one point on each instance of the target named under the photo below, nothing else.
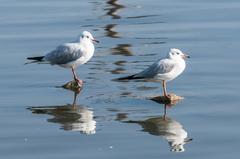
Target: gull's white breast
(178, 68)
(87, 50)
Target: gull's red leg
(164, 89)
(79, 81)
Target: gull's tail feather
(35, 59)
(129, 77)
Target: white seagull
(70, 55)
(165, 69)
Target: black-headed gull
(70, 55)
(165, 69)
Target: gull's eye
(87, 36)
(178, 53)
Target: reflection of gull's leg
(80, 82)
(165, 111)
(74, 100)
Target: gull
(70, 55)
(165, 69)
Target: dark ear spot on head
(82, 36)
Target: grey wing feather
(64, 54)
(160, 67)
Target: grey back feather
(160, 67)
(64, 54)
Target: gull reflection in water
(168, 128)
(72, 117)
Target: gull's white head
(87, 36)
(177, 54)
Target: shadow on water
(122, 49)
(110, 32)
(112, 8)
(71, 117)
(169, 129)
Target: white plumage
(165, 69)
(71, 55)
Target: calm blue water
(112, 119)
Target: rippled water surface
(111, 119)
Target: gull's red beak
(94, 40)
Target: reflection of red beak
(188, 140)
(185, 56)
(94, 40)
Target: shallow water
(111, 119)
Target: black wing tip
(127, 78)
(38, 58)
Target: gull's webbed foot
(80, 82)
